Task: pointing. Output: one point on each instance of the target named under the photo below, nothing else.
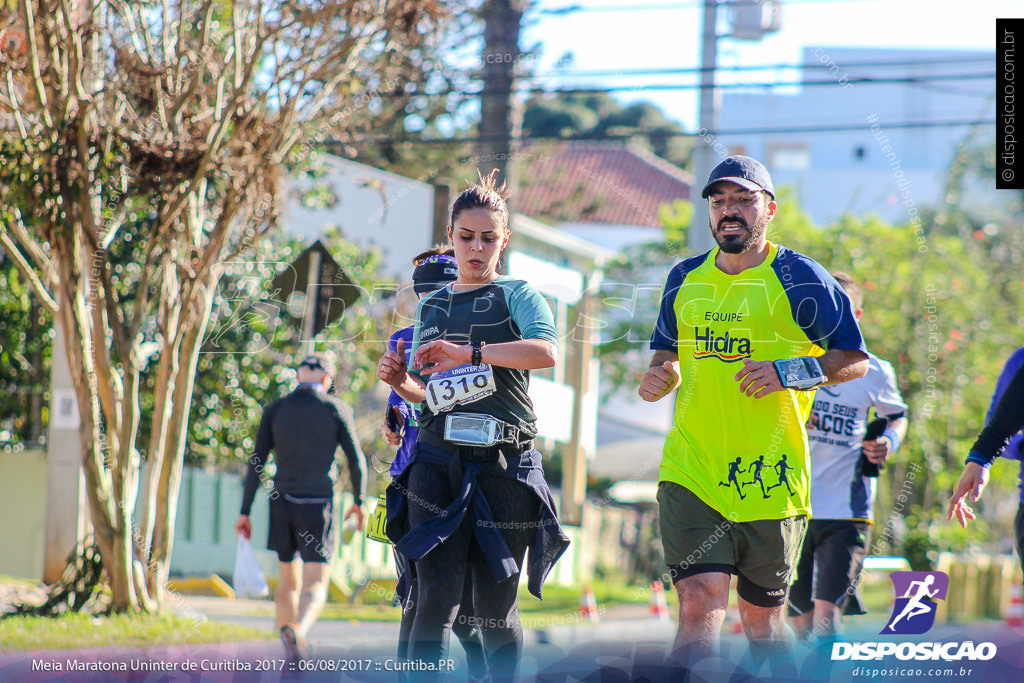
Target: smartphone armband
(800, 373)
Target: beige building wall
(22, 513)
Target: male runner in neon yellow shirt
(726, 316)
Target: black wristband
(476, 358)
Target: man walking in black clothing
(304, 429)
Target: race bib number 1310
(459, 386)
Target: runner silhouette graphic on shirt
(734, 471)
(781, 467)
(914, 606)
(757, 466)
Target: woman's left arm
(523, 354)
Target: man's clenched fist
(659, 380)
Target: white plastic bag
(248, 579)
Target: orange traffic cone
(1014, 616)
(659, 607)
(588, 605)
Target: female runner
(473, 497)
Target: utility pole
(67, 516)
(703, 154)
(500, 118)
(749, 20)
(307, 341)
(577, 374)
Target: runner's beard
(739, 242)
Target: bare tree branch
(27, 270)
(34, 60)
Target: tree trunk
(109, 521)
(500, 119)
(176, 435)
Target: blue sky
(627, 39)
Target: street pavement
(627, 644)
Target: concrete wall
(23, 511)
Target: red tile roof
(597, 183)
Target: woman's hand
(443, 354)
(393, 438)
(972, 481)
(392, 369)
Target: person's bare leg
(703, 600)
(802, 624)
(287, 598)
(312, 596)
(818, 665)
(826, 619)
(770, 636)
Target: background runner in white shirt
(843, 488)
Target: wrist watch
(476, 358)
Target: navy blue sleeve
(819, 305)
(1012, 364)
(666, 331)
(404, 334)
(1007, 419)
(1013, 448)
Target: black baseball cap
(746, 172)
(319, 361)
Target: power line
(766, 84)
(657, 134)
(540, 90)
(577, 9)
(990, 59)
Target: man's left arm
(759, 378)
(843, 365)
(823, 311)
(349, 443)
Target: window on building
(790, 158)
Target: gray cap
(744, 171)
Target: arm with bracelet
(884, 435)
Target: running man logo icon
(916, 593)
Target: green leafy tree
(599, 114)
(26, 333)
